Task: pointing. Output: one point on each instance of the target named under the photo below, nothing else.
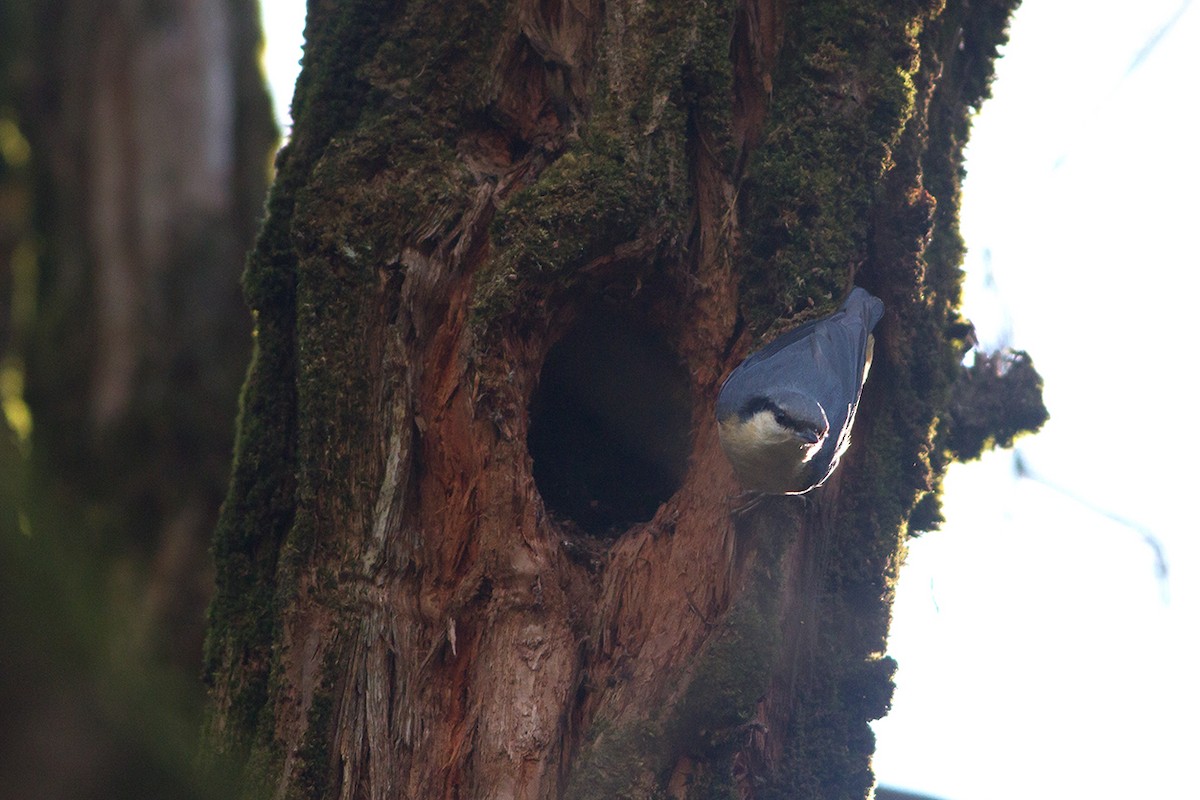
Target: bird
(784, 414)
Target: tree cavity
(610, 423)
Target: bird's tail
(863, 305)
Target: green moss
(845, 95)
(593, 198)
(395, 180)
(314, 757)
(260, 506)
(258, 509)
(686, 57)
(626, 177)
(330, 91)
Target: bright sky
(283, 24)
(1040, 655)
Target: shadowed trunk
(481, 541)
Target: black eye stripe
(793, 424)
(758, 404)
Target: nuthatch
(784, 414)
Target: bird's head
(793, 419)
(771, 440)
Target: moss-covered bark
(399, 613)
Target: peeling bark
(399, 613)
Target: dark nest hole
(610, 423)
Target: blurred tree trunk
(134, 146)
(150, 135)
(480, 540)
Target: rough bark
(400, 611)
(150, 133)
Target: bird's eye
(781, 419)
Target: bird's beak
(808, 436)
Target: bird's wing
(844, 390)
(817, 355)
(786, 339)
(857, 317)
(830, 364)
(823, 358)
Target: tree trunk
(481, 541)
(150, 134)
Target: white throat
(767, 456)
